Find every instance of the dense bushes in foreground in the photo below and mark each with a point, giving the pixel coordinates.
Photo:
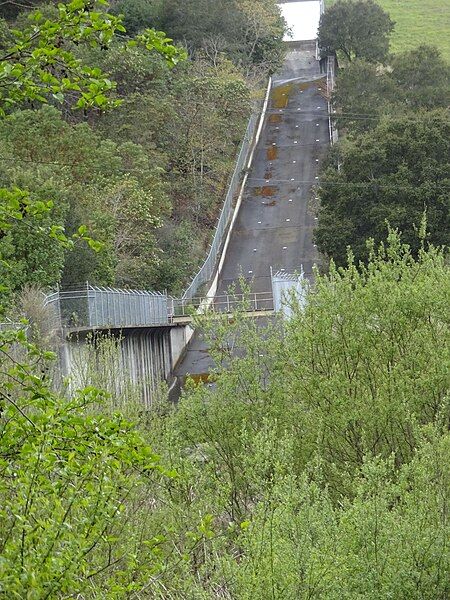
(322, 454)
(315, 467)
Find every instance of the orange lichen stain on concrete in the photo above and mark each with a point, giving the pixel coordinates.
(272, 153)
(322, 87)
(274, 119)
(200, 378)
(266, 191)
(280, 95)
(305, 86)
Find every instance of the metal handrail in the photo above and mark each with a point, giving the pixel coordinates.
(243, 161)
(100, 307)
(206, 271)
(223, 303)
(331, 78)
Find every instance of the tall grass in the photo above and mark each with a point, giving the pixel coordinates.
(418, 22)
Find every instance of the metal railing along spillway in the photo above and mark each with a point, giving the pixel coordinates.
(222, 303)
(207, 269)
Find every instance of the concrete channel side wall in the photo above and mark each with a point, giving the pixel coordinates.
(213, 289)
(137, 360)
(179, 339)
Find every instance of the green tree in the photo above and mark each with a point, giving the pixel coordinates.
(355, 29)
(80, 184)
(11, 9)
(196, 20)
(137, 14)
(386, 542)
(66, 481)
(361, 96)
(423, 77)
(414, 80)
(39, 67)
(6, 37)
(191, 125)
(392, 173)
(67, 475)
(42, 65)
(250, 33)
(262, 30)
(320, 446)
(125, 217)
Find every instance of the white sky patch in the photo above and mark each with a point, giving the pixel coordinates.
(302, 18)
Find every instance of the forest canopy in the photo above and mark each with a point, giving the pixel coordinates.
(391, 164)
(145, 131)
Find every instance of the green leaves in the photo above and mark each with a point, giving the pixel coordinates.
(42, 66)
(42, 63)
(355, 29)
(82, 234)
(65, 473)
(389, 174)
(17, 208)
(321, 451)
(158, 41)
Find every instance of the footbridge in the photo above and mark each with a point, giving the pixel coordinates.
(263, 245)
(94, 309)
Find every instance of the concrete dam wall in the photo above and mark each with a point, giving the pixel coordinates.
(137, 359)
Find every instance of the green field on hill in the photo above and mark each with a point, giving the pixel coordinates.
(419, 22)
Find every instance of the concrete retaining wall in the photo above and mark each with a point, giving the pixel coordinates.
(140, 359)
(179, 339)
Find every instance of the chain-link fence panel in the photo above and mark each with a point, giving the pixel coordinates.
(105, 307)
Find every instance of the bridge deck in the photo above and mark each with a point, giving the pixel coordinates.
(251, 314)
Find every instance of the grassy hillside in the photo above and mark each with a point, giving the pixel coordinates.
(418, 22)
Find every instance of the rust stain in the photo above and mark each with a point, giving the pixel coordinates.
(273, 119)
(322, 88)
(272, 153)
(265, 190)
(308, 84)
(200, 378)
(280, 95)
